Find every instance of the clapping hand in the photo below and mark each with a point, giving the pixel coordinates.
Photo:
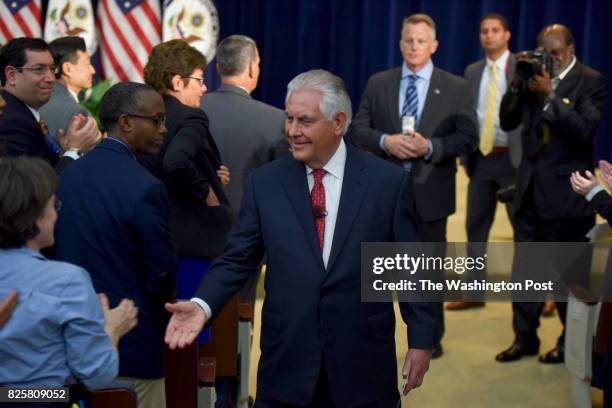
(224, 175)
(120, 319)
(583, 185)
(606, 174)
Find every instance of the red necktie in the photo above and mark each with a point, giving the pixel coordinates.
(317, 202)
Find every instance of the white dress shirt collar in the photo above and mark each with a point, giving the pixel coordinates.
(424, 72)
(335, 165)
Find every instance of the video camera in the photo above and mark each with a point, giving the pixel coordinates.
(528, 67)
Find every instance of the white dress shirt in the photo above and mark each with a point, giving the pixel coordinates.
(500, 137)
(332, 183)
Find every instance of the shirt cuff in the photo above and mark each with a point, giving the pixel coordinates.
(593, 191)
(381, 143)
(203, 305)
(429, 150)
(73, 154)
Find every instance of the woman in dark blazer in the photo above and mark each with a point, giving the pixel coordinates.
(188, 162)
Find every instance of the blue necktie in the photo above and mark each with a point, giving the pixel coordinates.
(411, 101)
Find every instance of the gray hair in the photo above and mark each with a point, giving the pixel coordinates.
(334, 97)
(234, 53)
(421, 18)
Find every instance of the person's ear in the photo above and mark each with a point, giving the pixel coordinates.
(339, 123)
(125, 123)
(177, 83)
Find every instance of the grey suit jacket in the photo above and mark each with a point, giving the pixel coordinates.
(58, 112)
(448, 120)
(473, 75)
(245, 131)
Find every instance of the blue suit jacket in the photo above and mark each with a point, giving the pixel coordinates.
(311, 312)
(114, 223)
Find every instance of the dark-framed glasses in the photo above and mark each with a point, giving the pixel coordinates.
(39, 70)
(200, 80)
(159, 120)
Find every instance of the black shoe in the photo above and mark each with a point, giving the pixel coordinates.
(517, 350)
(554, 356)
(437, 352)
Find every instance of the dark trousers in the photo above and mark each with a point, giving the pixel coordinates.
(322, 397)
(488, 175)
(434, 231)
(530, 226)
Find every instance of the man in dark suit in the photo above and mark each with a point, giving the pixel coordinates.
(320, 346)
(74, 74)
(245, 143)
(559, 114)
(439, 105)
(27, 73)
(114, 223)
(492, 166)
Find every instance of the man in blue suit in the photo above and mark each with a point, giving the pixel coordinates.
(310, 212)
(114, 223)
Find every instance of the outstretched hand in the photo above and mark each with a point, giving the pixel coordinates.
(186, 322)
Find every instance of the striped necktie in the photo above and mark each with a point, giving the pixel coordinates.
(411, 101)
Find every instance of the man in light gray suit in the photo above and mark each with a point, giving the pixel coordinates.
(492, 167)
(75, 73)
(438, 106)
(248, 134)
(245, 130)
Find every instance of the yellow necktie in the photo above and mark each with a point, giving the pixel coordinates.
(488, 123)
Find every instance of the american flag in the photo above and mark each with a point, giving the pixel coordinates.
(19, 18)
(129, 29)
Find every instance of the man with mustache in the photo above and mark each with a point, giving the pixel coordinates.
(559, 114)
(27, 73)
(114, 223)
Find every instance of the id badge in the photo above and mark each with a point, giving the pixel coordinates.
(408, 124)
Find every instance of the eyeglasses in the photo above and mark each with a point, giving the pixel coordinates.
(200, 80)
(40, 70)
(159, 120)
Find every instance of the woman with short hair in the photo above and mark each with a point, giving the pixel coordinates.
(59, 333)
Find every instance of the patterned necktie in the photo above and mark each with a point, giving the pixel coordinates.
(490, 114)
(411, 101)
(317, 203)
(43, 128)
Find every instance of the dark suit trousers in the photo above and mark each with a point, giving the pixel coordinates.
(435, 231)
(322, 397)
(488, 175)
(531, 227)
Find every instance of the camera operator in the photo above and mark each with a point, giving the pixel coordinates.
(559, 101)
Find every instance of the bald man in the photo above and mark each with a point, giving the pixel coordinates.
(560, 112)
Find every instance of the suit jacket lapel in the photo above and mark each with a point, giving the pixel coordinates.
(392, 90)
(569, 82)
(354, 188)
(296, 186)
(434, 93)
